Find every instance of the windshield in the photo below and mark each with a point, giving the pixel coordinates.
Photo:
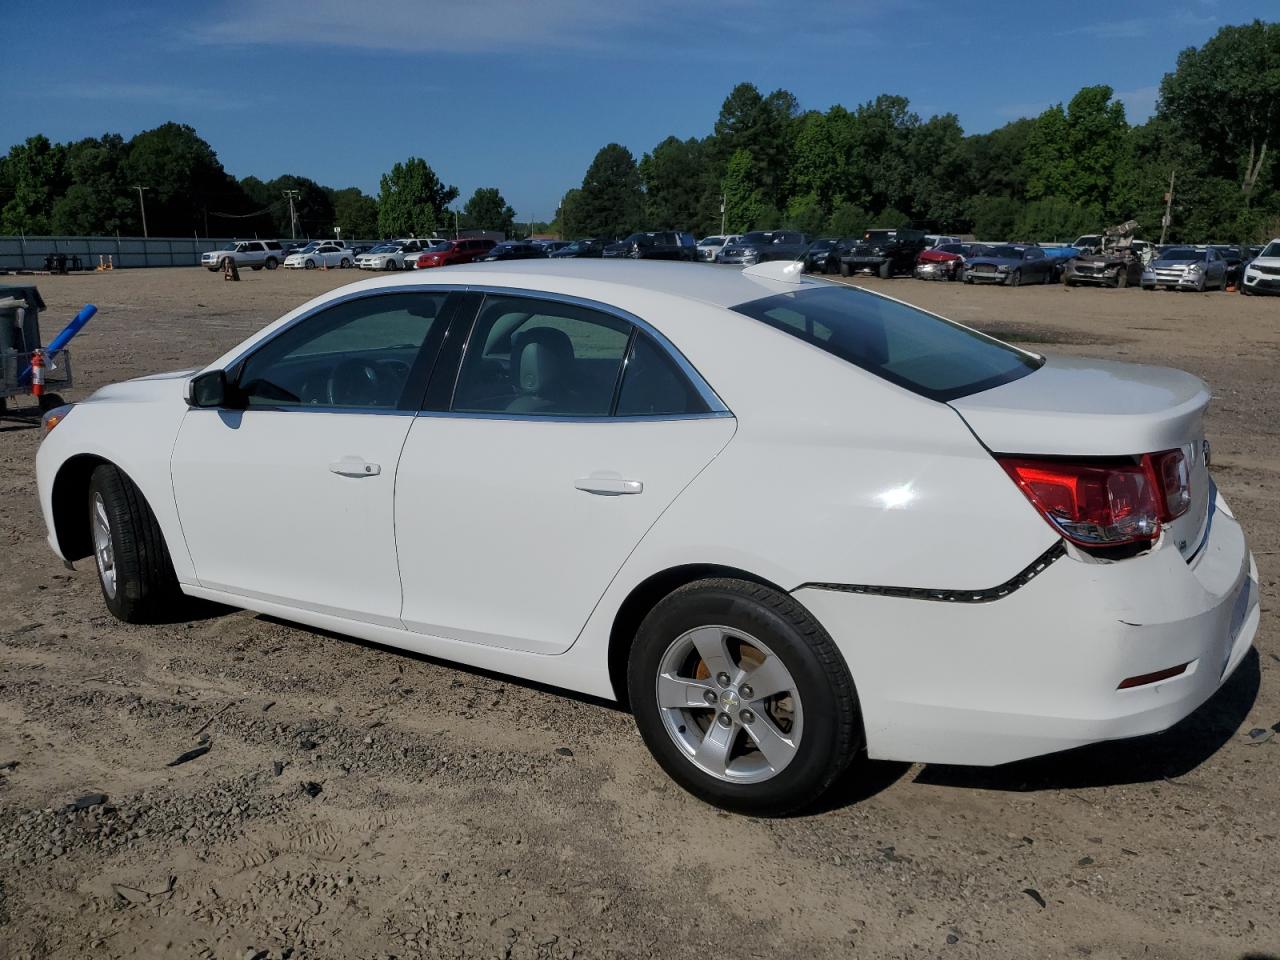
(1272, 249)
(385, 248)
(757, 237)
(823, 244)
(229, 246)
(310, 247)
(959, 248)
(1003, 253)
(925, 354)
(880, 236)
(711, 242)
(1182, 253)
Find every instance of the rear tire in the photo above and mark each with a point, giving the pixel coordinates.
(712, 631)
(134, 569)
(272, 263)
(346, 262)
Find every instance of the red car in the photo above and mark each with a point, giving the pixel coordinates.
(454, 251)
(944, 262)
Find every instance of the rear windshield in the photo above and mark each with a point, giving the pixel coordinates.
(925, 354)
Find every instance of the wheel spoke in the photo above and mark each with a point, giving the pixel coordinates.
(713, 754)
(100, 509)
(775, 746)
(683, 693)
(769, 679)
(710, 644)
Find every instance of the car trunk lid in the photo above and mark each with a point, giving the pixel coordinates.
(1077, 408)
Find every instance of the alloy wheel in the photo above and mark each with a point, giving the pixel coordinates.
(103, 551)
(729, 704)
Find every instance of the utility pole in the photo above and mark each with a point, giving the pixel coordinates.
(291, 196)
(455, 224)
(143, 206)
(722, 214)
(1168, 210)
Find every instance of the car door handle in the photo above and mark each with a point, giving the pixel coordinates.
(354, 467)
(608, 486)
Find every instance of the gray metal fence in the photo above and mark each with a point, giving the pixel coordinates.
(29, 253)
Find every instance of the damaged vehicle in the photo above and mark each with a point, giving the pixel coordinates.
(1186, 268)
(1117, 267)
(945, 261)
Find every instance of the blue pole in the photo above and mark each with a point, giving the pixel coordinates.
(64, 337)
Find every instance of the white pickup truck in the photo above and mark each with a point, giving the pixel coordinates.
(320, 253)
(254, 254)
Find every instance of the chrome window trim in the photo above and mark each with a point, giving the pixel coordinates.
(715, 406)
(535, 418)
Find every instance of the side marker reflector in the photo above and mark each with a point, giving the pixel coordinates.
(1145, 678)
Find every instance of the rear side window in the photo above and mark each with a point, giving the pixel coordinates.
(908, 347)
(653, 385)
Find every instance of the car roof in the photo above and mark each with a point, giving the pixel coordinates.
(719, 286)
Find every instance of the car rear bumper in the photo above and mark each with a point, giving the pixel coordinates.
(1039, 670)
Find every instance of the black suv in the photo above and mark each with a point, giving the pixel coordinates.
(661, 245)
(885, 252)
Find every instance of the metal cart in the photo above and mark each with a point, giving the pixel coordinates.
(20, 308)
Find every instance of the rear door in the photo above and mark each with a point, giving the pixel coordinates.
(568, 431)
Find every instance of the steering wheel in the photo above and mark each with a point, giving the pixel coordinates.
(354, 383)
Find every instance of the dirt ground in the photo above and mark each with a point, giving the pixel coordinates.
(360, 802)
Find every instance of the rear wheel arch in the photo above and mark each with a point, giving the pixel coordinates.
(646, 595)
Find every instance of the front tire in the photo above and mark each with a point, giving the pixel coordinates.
(310, 265)
(134, 569)
(1015, 278)
(845, 271)
(886, 270)
(784, 723)
(1122, 279)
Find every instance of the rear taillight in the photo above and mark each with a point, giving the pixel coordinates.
(1101, 504)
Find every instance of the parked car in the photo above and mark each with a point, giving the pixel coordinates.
(396, 254)
(654, 245)
(515, 250)
(709, 247)
(1010, 264)
(1234, 257)
(760, 246)
(932, 240)
(592, 249)
(962, 552)
(452, 251)
(1262, 273)
(1186, 268)
(819, 258)
(254, 254)
(945, 262)
(320, 253)
(1115, 267)
(883, 252)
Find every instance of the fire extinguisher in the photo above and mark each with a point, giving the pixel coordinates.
(37, 373)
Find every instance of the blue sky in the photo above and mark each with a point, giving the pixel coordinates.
(520, 94)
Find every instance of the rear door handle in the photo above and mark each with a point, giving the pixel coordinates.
(608, 485)
(354, 467)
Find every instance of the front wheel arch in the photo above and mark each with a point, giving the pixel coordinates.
(646, 595)
(70, 493)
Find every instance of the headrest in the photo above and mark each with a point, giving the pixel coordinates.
(543, 355)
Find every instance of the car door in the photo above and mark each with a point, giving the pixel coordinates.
(520, 494)
(286, 495)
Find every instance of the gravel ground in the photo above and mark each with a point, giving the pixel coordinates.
(357, 802)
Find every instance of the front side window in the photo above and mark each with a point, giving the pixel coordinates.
(908, 347)
(354, 354)
(541, 358)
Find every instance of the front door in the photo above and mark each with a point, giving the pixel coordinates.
(288, 497)
(569, 433)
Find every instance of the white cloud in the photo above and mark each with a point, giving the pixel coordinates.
(458, 26)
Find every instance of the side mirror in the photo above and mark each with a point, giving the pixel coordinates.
(209, 389)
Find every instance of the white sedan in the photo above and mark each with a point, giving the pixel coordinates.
(784, 520)
(319, 253)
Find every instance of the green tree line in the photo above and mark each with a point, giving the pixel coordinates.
(1076, 168)
(90, 187)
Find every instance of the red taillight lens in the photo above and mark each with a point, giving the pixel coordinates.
(1174, 475)
(1106, 504)
(1091, 505)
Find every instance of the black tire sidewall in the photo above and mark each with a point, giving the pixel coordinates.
(831, 729)
(146, 587)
